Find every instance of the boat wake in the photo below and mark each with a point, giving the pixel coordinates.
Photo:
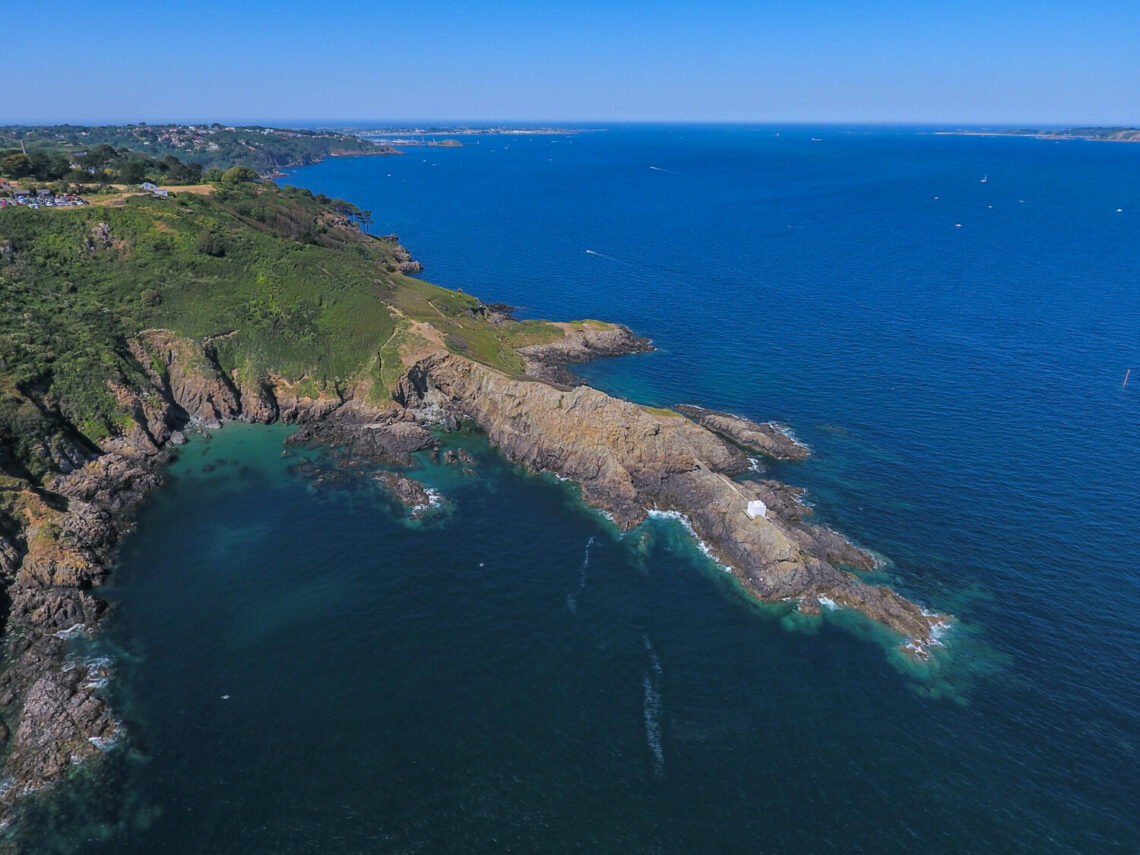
(651, 707)
(608, 257)
(572, 597)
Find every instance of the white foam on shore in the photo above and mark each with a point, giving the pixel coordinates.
(435, 500)
(939, 628)
(104, 743)
(790, 434)
(71, 632)
(684, 520)
(827, 601)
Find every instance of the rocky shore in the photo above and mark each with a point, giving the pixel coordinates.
(55, 545)
(765, 438)
(582, 342)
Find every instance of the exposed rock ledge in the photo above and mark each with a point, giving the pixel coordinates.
(765, 438)
(583, 342)
(630, 460)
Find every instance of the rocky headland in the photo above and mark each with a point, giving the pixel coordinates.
(67, 493)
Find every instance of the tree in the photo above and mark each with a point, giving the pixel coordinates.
(15, 165)
(133, 171)
(239, 175)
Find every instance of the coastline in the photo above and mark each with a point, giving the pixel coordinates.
(630, 462)
(1042, 135)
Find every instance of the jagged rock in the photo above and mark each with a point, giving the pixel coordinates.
(189, 375)
(55, 609)
(629, 460)
(113, 481)
(762, 437)
(411, 493)
(59, 721)
(390, 443)
(582, 342)
(99, 238)
(405, 263)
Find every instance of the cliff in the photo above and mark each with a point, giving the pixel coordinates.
(263, 304)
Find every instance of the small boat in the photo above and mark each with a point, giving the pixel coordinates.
(985, 179)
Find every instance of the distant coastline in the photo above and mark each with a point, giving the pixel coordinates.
(1090, 134)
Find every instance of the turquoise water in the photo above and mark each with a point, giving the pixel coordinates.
(511, 675)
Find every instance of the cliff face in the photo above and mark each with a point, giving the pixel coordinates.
(630, 460)
(56, 545)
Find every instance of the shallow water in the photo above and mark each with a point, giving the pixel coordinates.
(512, 674)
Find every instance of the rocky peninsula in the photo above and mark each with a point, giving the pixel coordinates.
(311, 322)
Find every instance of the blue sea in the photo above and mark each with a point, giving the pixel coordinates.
(945, 320)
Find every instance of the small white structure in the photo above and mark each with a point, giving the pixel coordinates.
(147, 185)
(756, 508)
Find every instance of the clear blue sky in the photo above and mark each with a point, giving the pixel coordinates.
(928, 61)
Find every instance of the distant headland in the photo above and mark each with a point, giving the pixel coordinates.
(236, 299)
(1092, 134)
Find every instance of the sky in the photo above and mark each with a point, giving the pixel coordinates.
(967, 62)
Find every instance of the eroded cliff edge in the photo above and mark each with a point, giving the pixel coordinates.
(308, 320)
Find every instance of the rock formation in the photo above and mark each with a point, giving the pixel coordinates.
(630, 460)
(764, 438)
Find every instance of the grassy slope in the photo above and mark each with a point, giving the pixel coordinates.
(289, 287)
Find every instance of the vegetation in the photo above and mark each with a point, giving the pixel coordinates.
(1113, 134)
(125, 153)
(284, 283)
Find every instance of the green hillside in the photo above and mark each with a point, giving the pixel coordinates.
(284, 283)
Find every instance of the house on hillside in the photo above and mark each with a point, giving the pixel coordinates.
(148, 186)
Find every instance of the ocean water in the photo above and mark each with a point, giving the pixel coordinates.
(303, 669)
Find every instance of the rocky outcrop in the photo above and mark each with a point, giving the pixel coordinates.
(56, 543)
(401, 258)
(382, 443)
(52, 715)
(409, 491)
(630, 460)
(581, 342)
(765, 438)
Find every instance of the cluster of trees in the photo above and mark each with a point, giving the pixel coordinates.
(264, 149)
(103, 164)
